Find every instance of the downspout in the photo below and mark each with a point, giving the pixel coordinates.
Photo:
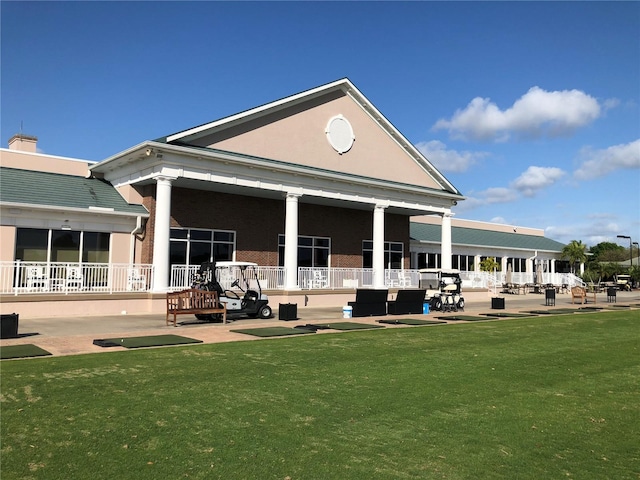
(136, 231)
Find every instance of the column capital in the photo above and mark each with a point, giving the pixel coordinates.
(448, 214)
(165, 179)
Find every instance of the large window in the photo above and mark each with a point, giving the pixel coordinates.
(393, 254)
(429, 260)
(43, 245)
(312, 251)
(517, 264)
(463, 263)
(191, 246)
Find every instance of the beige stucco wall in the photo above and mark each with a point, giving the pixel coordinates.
(120, 247)
(43, 163)
(7, 243)
(297, 135)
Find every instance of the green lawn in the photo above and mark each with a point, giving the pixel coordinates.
(537, 398)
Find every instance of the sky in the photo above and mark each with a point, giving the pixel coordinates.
(531, 109)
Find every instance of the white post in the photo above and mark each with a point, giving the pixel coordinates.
(161, 232)
(378, 246)
(291, 242)
(446, 240)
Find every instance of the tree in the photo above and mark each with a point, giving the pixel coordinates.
(608, 252)
(575, 252)
(489, 264)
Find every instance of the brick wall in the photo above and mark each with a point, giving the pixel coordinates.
(258, 222)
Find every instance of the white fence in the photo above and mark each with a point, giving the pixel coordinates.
(41, 277)
(64, 278)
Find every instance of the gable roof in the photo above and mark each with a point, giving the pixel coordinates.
(344, 85)
(428, 233)
(28, 187)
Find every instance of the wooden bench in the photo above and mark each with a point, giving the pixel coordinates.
(195, 302)
(581, 294)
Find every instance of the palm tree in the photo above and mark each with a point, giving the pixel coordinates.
(575, 251)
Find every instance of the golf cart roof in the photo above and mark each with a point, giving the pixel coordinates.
(235, 264)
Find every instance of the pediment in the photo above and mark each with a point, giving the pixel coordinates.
(333, 128)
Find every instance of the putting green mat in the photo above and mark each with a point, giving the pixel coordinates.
(273, 331)
(508, 315)
(148, 341)
(22, 351)
(467, 318)
(346, 326)
(412, 321)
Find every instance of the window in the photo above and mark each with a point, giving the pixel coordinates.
(463, 263)
(393, 254)
(312, 251)
(190, 246)
(517, 264)
(68, 246)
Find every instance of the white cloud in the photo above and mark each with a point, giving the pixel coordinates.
(598, 163)
(535, 179)
(448, 160)
(538, 112)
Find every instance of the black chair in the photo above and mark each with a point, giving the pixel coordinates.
(550, 297)
(407, 302)
(369, 303)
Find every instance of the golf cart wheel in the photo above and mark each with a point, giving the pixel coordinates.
(460, 304)
(265, 312)
(437, 305)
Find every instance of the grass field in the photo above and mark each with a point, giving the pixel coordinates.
(537, 398)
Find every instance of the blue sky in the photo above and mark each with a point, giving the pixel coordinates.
(531, 109)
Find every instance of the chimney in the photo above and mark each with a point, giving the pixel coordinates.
(24, 143)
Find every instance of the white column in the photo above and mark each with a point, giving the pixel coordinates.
(291, 242)
(445, 249)
(553, 265)
(161, 231)
(378, 246)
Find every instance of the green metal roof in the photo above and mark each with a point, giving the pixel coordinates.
(424, 232)
(57, 190)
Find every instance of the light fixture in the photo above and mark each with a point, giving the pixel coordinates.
(630, 249)
(66, 226)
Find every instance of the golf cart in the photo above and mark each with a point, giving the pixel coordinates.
(623, 282)
(443, 289)
(250, 302)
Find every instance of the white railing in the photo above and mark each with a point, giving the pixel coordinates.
(66, 277)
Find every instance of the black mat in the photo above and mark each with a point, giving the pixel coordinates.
(347, 326)
(467, 318)
(411, 321)
(22, 351)
(274, 331)
(148, 341)
(508, 315)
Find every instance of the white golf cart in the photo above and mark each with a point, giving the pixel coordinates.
(444, 289)
(238, 286)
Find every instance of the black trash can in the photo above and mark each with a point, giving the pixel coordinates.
(9, 325)
(550, 297)
(288, 311)
(497, 303)
(611, 295)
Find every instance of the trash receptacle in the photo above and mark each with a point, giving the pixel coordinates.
(288, 311)
(425, 308)
(9, 325)
(497, 303)
(347, 311)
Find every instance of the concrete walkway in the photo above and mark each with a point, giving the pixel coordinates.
(75, 335)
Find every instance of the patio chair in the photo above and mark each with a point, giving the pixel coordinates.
(37, 279)
(74, 279)
(319, 280)
(136, 280)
